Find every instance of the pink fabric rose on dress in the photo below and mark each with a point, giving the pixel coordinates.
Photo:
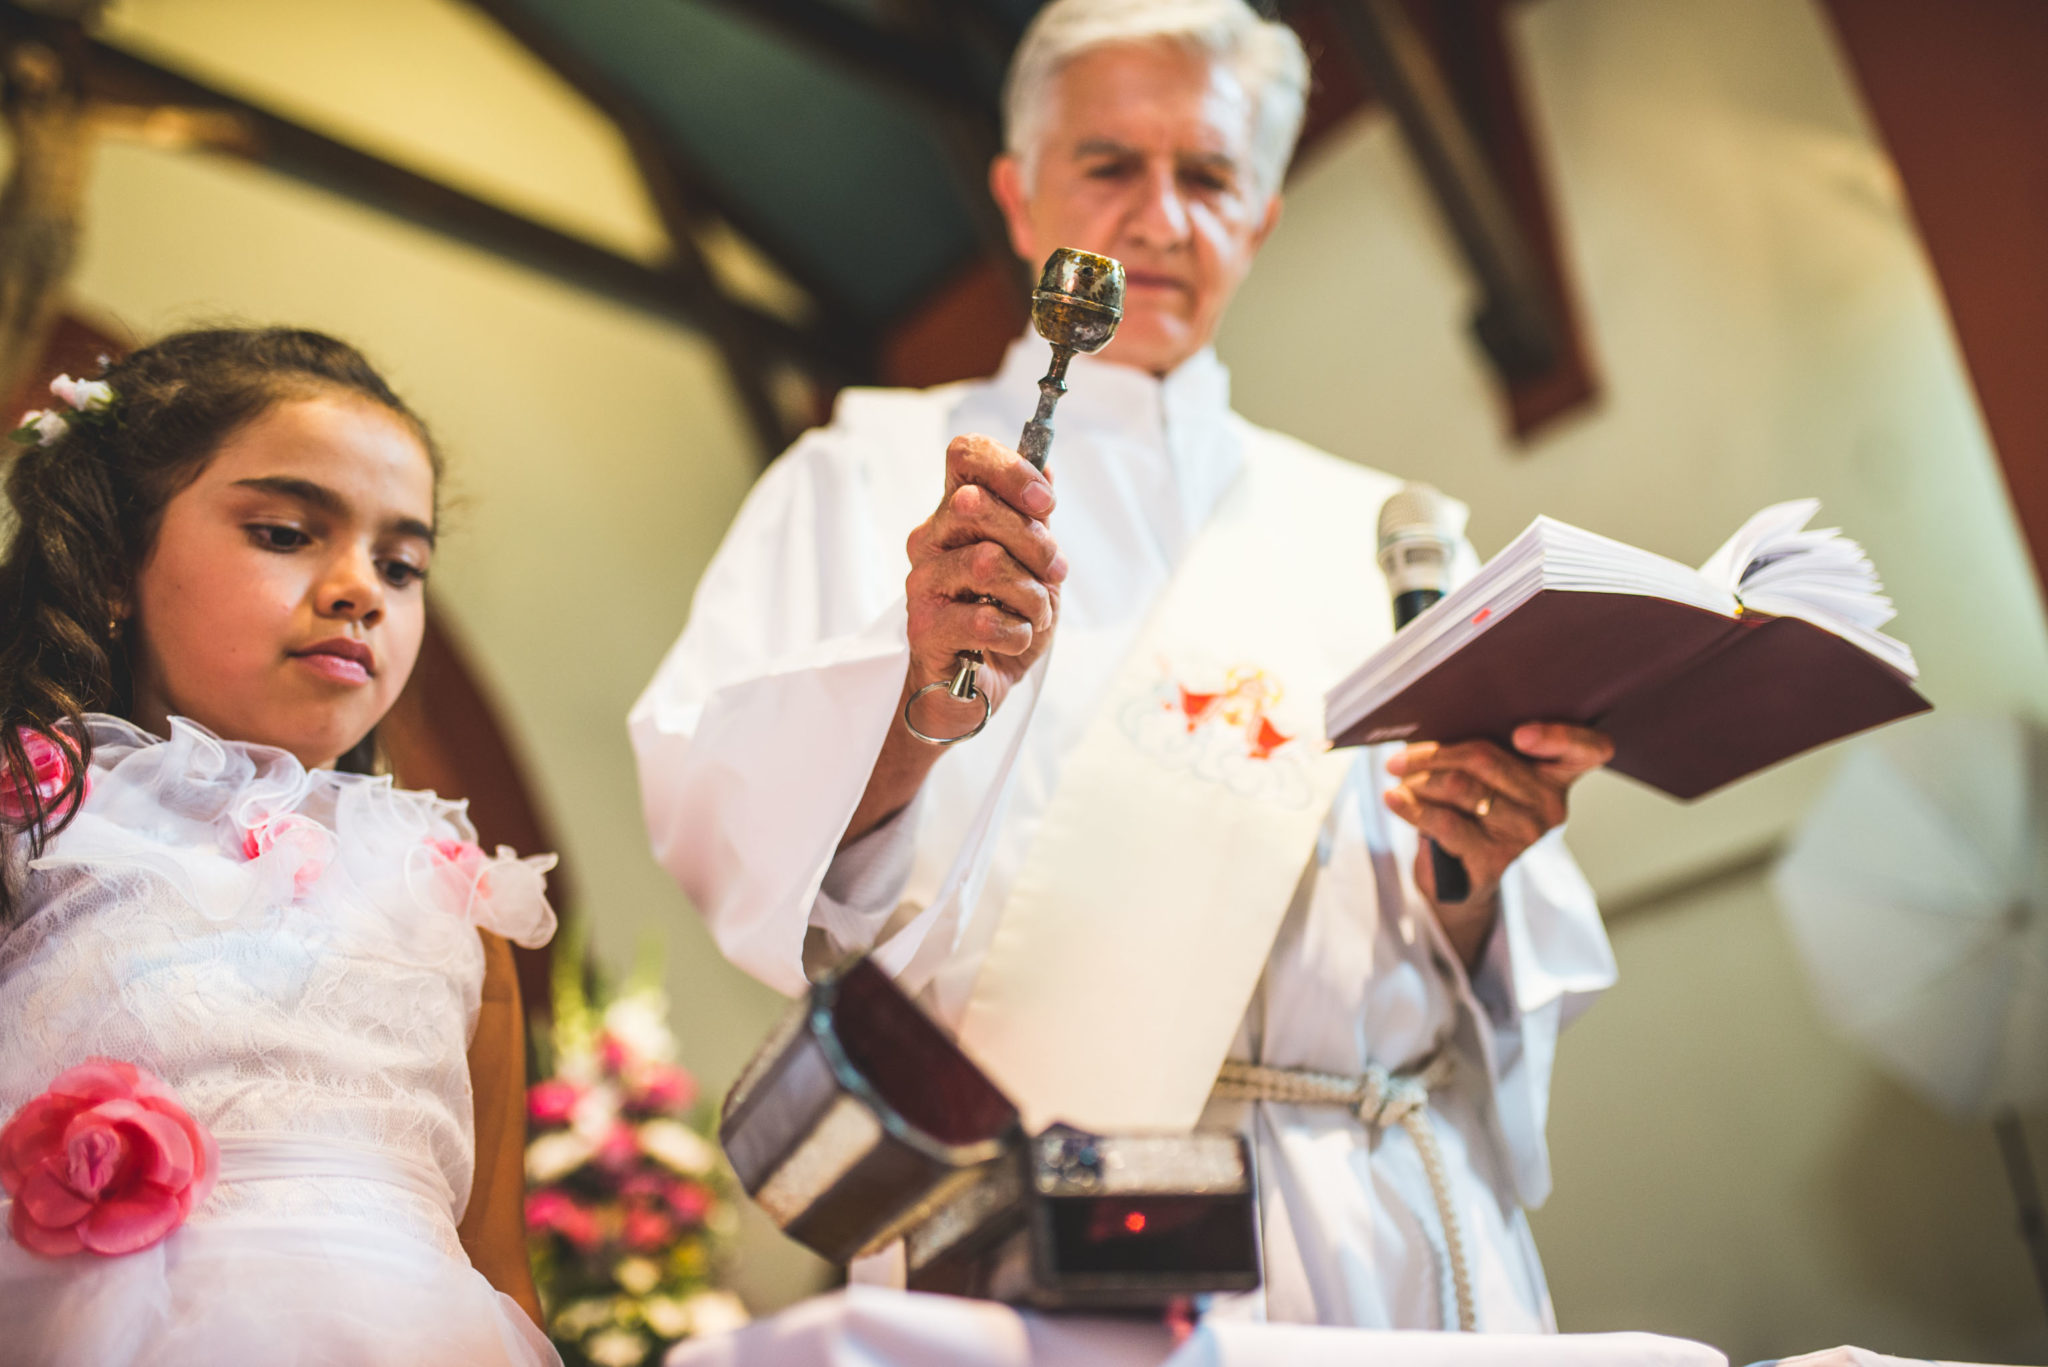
(106, 1161)
(50, 769)
(466, 855)
(465, 862)
(500, 892)
(307, 843)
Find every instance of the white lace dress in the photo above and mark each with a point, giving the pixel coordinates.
(295, 954)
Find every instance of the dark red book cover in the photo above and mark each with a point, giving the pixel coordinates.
(1692, 699)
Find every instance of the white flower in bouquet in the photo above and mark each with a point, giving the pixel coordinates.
(552, 1157)
(637, 1275)
(666, 1316)
(617, 1348)
(578, 1318)
(639, 1021)
(677, 1146)
(579, 1067)
(715, 1312)
(595, 1113)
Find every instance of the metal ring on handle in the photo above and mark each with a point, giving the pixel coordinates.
(973, 691)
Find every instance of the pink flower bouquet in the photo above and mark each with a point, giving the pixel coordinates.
(630, 1209)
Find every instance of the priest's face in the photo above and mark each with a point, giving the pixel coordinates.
(1145, 155)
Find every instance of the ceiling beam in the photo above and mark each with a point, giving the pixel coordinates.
(1475, 50)
(241, 129)
(1954, 92)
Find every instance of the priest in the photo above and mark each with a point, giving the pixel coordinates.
(1144, 894)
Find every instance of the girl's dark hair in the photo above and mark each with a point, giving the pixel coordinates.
(86, 510)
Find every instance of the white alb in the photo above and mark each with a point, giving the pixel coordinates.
(757, 735)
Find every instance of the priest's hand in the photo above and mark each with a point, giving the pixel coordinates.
(1486, 806)
(985, 575)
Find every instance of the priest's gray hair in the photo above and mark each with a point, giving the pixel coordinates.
(1263, 54)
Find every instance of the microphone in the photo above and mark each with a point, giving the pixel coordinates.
(1416, 543)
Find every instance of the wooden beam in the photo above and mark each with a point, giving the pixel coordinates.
(41, 205)
(279, 144)
(1472, 45)
(1955, 92)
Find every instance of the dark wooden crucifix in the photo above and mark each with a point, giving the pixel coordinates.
(1445, 70)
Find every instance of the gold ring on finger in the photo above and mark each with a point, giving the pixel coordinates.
(1485, 806)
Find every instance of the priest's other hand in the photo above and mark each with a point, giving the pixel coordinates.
(1486, 806)
(985, 575)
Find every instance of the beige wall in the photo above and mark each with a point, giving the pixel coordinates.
(1728, 1170)
(433, 85)
(1767, 328)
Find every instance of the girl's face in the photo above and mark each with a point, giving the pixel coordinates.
(284, 599)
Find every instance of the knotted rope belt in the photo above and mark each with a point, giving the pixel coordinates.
(1380, 1099)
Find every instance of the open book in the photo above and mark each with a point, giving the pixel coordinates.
(1700, 676)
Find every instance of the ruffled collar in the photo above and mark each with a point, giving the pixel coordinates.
(204, 777)
(182, 804)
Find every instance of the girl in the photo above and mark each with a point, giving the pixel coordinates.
(238, 974)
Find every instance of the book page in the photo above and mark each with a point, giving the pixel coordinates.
(1776, 565)
(1548, 556)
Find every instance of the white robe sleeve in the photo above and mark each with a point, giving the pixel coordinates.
(1547, 960)
(865, 882)
(756, 737)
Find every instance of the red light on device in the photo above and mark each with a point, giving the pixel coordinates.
(1135, 1222)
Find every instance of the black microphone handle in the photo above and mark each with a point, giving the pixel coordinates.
(1453, 883)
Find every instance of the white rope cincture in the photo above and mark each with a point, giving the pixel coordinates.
(1379, 1099)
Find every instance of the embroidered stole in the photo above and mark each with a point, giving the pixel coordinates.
(1139, 924)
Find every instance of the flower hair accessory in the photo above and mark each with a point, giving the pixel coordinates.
(90, 401)
(106, 1161)
(51, 767)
